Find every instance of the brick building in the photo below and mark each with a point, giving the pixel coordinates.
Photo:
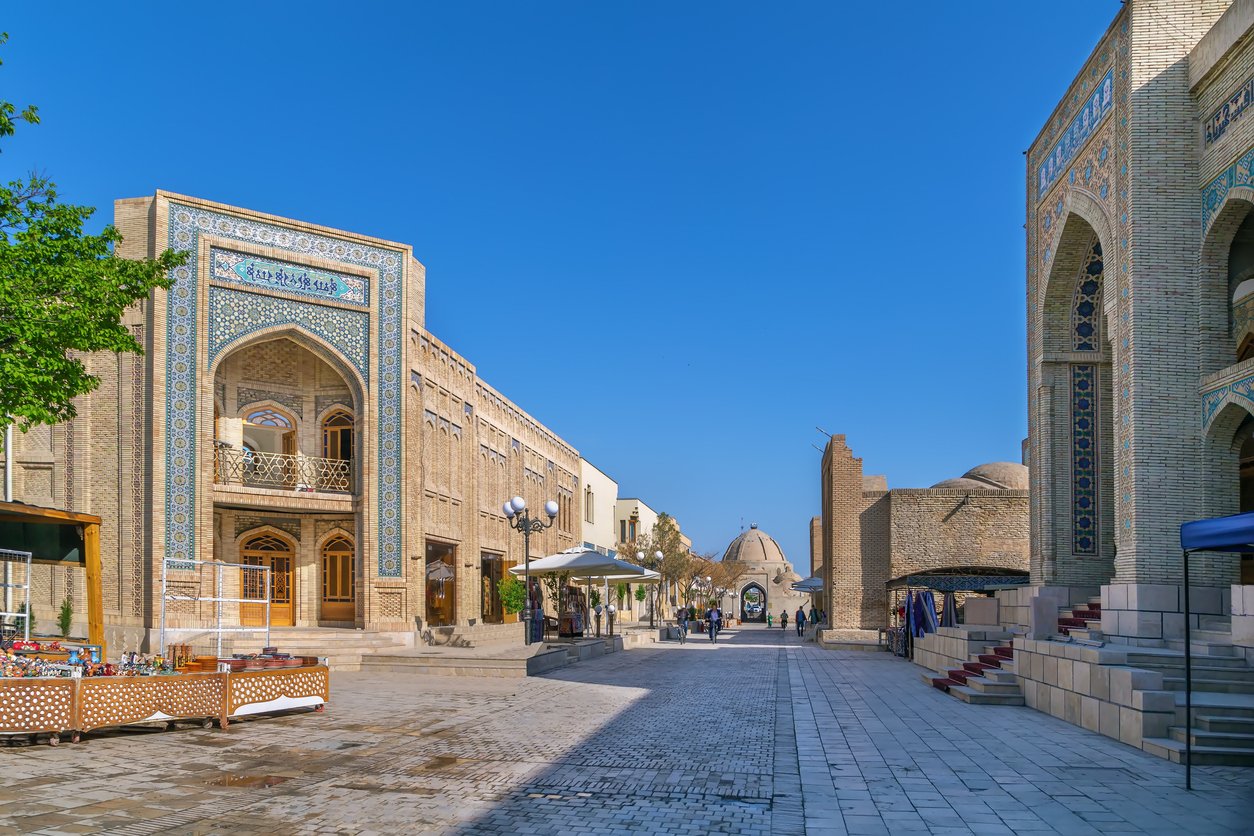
(872, 537)
(1140, 251)
(293, 412)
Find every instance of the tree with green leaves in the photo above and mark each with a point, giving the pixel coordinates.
(62, 292)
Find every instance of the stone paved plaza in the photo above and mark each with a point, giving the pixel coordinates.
(759, 734)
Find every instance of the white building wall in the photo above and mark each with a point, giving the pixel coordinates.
(600, 498)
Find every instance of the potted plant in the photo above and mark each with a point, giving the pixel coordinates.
(65, 618)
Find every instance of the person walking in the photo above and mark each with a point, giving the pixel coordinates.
(682, 618)
(770, 620)
(714, 618)
(801, 622)
(783, 620)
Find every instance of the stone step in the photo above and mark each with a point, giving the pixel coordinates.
(1213, 686)
(1220, 740)
(1215, 705)
(1204, 647)
(1175, 658)
(991, 659)
(1201, 671)
(1173, 750)
(1219, 623)
(974, 697)
(987, 686)
(1234, 725)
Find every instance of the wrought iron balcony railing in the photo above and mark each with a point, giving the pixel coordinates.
(234, 466)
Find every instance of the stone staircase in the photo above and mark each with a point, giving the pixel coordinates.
(987, 679)
(1222, 731)
(1081, 621)
(342, 647)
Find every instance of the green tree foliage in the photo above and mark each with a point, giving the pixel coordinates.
(61, 291)
(513, 594)
(640, 592)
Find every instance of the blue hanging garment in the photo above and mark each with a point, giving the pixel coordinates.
(919, 618)
(930, 622)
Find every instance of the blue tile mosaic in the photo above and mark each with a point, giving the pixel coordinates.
(1084, 458)
(1085, 122)
(1240, 173)
(1086, 320)
(1240, 390)
(234, 314)
(186, 225)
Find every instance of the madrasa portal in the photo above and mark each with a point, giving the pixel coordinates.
(291, 411)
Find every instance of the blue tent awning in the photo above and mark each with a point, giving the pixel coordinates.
(1221, 534)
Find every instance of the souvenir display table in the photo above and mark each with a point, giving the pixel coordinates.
(38, 697)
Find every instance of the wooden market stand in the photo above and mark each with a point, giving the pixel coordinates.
(59, 705)
(88, 557)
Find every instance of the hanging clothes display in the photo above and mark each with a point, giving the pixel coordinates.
(949, 617)
(930, 622)
(918, 617)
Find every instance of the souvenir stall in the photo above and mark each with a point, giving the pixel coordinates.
(51, 687)
(913, 610)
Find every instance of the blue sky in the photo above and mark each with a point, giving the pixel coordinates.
(683, 235)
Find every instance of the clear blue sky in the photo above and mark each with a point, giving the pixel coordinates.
(683, 235)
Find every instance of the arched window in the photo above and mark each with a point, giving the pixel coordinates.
(337, 436)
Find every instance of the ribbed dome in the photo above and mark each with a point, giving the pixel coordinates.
(755, 546)
(1010, 476)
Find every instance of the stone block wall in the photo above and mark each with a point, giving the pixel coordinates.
(1148, 614)
(950, 647)
(1093, 688)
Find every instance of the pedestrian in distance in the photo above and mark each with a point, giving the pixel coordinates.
(783, 620)
(770, 620)
(682, 618)
(801, 621)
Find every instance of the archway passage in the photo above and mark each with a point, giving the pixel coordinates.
(753, 604)
(276, 554)
(339, 580)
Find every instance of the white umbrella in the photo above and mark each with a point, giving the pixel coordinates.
(581, 564)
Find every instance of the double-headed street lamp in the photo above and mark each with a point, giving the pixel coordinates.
(653, 597)
(519, 520)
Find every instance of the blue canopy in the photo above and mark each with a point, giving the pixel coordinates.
(1221, 534)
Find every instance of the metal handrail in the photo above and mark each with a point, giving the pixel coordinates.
(235, 466)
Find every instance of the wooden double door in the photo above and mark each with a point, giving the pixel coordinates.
(337, 571)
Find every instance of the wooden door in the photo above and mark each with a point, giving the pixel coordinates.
(275, 553)
(339, 580)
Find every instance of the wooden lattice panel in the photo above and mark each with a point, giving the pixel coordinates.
(116, 701)
(249, 687)
(36, 705)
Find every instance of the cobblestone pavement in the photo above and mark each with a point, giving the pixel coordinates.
(758, 734)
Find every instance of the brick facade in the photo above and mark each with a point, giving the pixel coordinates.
(435, 451)
(872, 535)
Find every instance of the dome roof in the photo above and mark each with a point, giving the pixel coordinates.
(993, 476)
(963, 483)
(754, 546)
(1010, 476)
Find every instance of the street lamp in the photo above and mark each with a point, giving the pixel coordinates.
(519, 520)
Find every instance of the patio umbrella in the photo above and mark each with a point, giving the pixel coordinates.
(581, 564)
(949, 618)
(811, 584)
